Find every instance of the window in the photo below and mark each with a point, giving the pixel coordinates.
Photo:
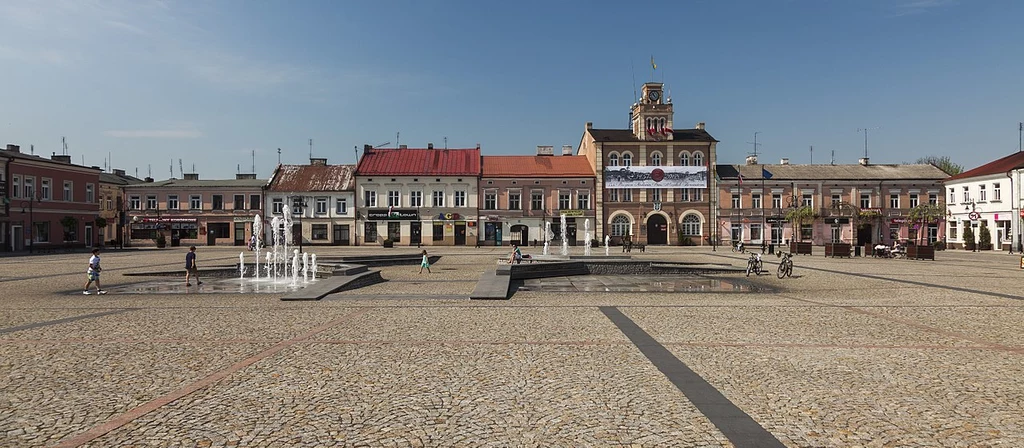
(952, 196)
(16, 188)
(613, 160)
(278, 206)
(68, 189)
(321, 208)
(620, 225)
(967, 194)
(110, 202)
(656, 194)
(865, 200)
(370, 231)
(438, 234)
(135, 202)
(172, 202)
(696, 194)
(982, 194)
(807, 200)
(515, 200)
(953, 230)
(684, 195)
(90, 193)
(691, 225)
(490, 200)
(755, 201)
(438, 198)
(195, 202)
(537, 201)
(254, 202)
(239, 202)
(583, 200)
(613, 195)
(416, 198)
(30, 188)
(933, 198)
(319, 231)
(626, 195)
(564, 202)
(218, 202)
(914, 201)
(460, 198)
(341, 206)
(394, 198)
(736, 202)
(776, 200)
(627, 159)
(684, 159)
(996, 194)
(807, 232)
(42, 232)
(894, 200)
(370, 200)
(297, 204)
(836, 198)
(656, 159)
(45, 187)
(151, 202)
(698, 159)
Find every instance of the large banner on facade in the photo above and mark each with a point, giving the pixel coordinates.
(655, 177)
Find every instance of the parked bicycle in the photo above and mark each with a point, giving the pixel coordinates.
(738, 247)
(754, 264)
(786, 265)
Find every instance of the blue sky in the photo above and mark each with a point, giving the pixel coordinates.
(149, 81)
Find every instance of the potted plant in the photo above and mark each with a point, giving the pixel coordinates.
(388, 242)
(968, 238)
(984, 237)
(921, 216)
(160, 240)
(797, 217)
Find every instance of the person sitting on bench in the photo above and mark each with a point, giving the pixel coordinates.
(516, 256)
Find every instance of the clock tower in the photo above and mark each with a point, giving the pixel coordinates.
(651, 115)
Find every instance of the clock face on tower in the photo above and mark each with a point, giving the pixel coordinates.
(653, 95)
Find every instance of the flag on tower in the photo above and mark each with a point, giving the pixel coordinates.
(653, 65)
(740, 176)
(765, 174)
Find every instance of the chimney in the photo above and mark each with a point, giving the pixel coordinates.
(700, 125)
(478, 146)
(545, 150)
(430, 146)
(118, 172)
(60, 158)
(566, 150)
(13, 148)
(751, 160)
(149, 179)
(863, 161)
(317, 161)
(590, 125)
(191, 176)
(403, 146)
(784, 161)
(241, 176)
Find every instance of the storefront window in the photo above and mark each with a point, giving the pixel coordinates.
(319, 231)
(370, 232)
(438, 232)
(806, 232)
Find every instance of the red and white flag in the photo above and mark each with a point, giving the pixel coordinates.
(741, 178)
(666, 131)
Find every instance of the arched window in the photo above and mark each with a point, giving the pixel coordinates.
(648, 124)
(691, 225)
(662, 127)
(620, 225)
(698, 159)
(627, 159)
(613, 159)
(684, 159)
(656, 159)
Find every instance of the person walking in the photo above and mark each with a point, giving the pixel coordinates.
(425, 263)
(94, 273)
(191, 270)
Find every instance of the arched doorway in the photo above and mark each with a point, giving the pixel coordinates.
(519, 234)
(657, 229)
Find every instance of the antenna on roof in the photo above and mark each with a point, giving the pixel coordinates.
(397, 139)
(254, 160)
(83, 159)
(278, 156)
(356, 149)
(64, 143)
(310, 148)
(181, 171)
(833, 157)
(193, 167)
(172, 167)
(32, 148)
(812, 155)
(446, 143)
(149, 167)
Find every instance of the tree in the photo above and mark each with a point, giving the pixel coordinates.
(984, 237)
(798, 216)
(943, 163)
(922, 215)
(968, 238)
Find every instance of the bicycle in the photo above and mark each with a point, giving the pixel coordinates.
(754, 265)
(786, 265)
(738, 247)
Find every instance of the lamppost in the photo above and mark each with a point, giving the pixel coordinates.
(299, 204)
(31, 222)
(974, 209)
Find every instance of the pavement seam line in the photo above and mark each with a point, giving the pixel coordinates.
(64, 320)
(158, 402)
(735, 424)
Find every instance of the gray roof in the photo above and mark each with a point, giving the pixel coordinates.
(213, 183)
(110, 178)
(851, 172)
(625, 135)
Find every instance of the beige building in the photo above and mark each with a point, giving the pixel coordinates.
(112, 206)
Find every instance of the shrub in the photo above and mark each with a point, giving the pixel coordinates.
(968, 238)
(984, 237)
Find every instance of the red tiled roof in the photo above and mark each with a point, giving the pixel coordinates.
(410, 162)
(299, 178)
(537, 166)
(1000, 166)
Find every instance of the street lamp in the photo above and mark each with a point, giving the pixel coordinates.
(31, 222)
(299, 204)
(973, 208)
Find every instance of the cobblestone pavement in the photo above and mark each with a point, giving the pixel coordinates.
(848, 352)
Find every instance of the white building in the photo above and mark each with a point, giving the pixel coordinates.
(991, 195)
(321, 198)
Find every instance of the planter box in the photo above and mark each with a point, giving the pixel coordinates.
(388, 243)
(921, 252)
(800, 248)
(837, 250)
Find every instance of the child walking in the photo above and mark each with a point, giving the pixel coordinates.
(425, 263)
(94, 273)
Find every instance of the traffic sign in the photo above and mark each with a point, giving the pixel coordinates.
(974, 216)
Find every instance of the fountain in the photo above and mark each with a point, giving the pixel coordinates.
(547, 236)
(295, 267)
(241, 265)
(257, 233)
(313, 264)
(586, 236)
(607, 241)
(565, 239)
(305, 266)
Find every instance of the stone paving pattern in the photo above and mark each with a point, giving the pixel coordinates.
(849, 352)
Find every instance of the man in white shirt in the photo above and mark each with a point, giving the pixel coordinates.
(94, 273)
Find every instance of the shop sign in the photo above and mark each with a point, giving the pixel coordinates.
(837, 220)
(775, 219)
(898, 221)
(242, 219)
(571, 213)
(167, 220)
(493, 218)
(382, 214)
(448, 217)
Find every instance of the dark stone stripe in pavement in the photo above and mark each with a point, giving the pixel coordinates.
(62, 321)
(735, 424)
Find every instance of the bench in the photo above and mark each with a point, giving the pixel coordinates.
(628, 247)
